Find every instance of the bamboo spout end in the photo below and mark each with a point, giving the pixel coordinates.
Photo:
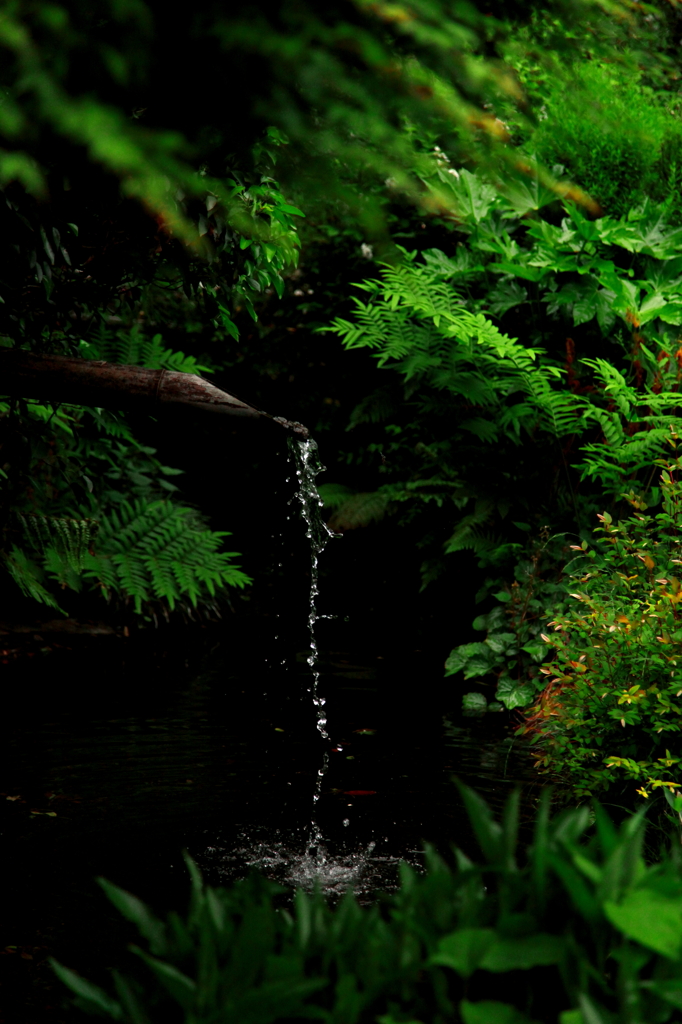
(293, 426)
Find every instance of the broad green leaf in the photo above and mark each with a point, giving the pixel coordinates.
(479, 665)
(499, 642)
(606, 317)
(671, 313)
(588, 229)
(538, 651)
(520, 954)
(650, 919)
(571, 1017)
(514, 695)
(463, 950)
(527, 194)
(505, 296)
(474, 196)
(474, 703)
(528, 273)
(585, 307)
(489, 1012)
(651, 307)
(462, 656)
(650, 235)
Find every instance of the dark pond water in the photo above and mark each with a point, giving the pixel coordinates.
(114, 760)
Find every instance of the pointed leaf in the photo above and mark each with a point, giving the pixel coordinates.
(138, 912)
(463, 950)
(182, 988)
(487, 831)
(651, 919)
(85, 990)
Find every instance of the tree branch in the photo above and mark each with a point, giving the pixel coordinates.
(110, 386)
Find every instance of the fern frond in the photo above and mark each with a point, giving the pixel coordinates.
(66, 538)
(468, 534)
(375, 408)
(333, 495)
(28, 577)
(134, 348)
(416, 322)
(162, 551)
(359, 510)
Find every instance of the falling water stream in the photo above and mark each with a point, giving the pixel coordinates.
(317, 865)
(310, 863)
(308, 465)
(304, 856)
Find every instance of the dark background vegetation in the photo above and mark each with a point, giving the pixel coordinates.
(222, 180)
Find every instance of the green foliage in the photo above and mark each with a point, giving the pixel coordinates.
(29, 577)
(581, 929)
(541, 420)
(609, 132)
(611, 705)
(160, 551)
(346, 85)
(510, 656)
(148, 553)
(68, 538)
(134, 348)
(495, 390)
(109, 525)
(160, 229)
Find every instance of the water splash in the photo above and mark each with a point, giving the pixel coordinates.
(280, 857)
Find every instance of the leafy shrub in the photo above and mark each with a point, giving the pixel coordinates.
(580, 931)
(612, 705)
(510, 656)
(486, 419)
(146, 552)
(538, 419)
(610, 136)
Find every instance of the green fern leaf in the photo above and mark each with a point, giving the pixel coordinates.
(134, 348)
(162, 551)
(359, 510)
(28, 577)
